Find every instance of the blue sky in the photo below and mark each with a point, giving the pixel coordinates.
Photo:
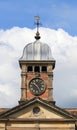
(54, 14)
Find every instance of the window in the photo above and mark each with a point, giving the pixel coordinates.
(29, 69)
(44, 69)
(37, 69)
(36, 110)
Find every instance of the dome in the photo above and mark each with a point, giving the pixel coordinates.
(36, 51)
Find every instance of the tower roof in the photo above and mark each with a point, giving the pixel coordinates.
(37, 51)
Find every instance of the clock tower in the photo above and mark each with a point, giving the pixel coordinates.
(36, 109)
(37, 66)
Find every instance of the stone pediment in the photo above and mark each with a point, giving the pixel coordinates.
(36, 108)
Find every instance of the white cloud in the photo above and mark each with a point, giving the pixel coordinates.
(64, 50)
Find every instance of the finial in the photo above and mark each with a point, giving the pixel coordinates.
(37, 23)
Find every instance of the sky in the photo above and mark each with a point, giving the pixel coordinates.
(58, 30)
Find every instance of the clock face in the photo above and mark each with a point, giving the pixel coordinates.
(37, 86)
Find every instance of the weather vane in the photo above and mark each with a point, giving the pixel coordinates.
(37, 23)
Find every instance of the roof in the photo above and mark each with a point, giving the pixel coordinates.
(72, 111)
(36, 51)
(2, 110)
(37, 100)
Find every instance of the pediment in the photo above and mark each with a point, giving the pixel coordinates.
(38, 111)
(36, 108)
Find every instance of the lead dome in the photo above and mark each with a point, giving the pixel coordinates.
(36, 51)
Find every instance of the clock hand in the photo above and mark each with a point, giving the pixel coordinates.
(37, 86)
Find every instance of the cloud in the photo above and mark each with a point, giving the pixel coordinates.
(64, 51)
